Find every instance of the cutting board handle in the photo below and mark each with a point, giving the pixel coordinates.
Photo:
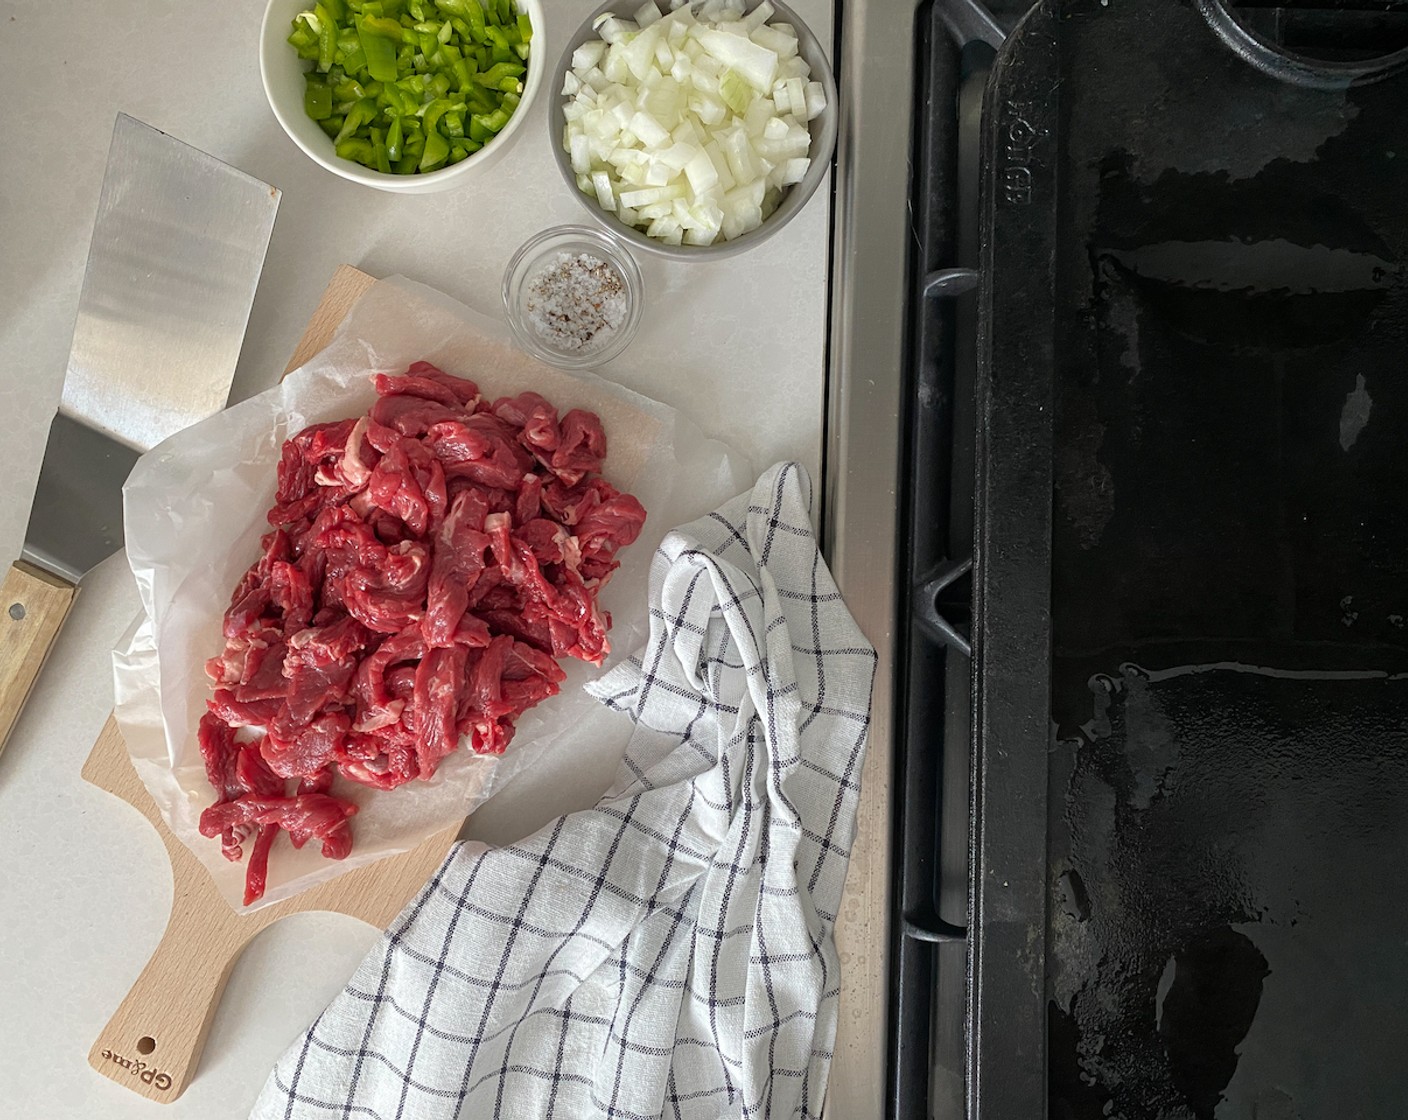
(153, 1042)
(33, 606)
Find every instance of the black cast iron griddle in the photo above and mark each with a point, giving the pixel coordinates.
(1191, 722)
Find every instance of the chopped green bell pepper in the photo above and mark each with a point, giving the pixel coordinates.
(362, 113)
(380, 51)
(317, 98)
(497, 73)
(474, 14)
(358, 150)
(327, 38)
(304, 37)
(480, 100)
(408, 86)
(379, 153)
(437, 149)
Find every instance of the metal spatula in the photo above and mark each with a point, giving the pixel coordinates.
(177, 249)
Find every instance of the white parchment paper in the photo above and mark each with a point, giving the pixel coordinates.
(194, 512)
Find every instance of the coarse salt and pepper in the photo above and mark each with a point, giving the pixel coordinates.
(576, 301)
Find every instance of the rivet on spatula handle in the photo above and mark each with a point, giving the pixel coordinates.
(33, 606)
(153, 1042)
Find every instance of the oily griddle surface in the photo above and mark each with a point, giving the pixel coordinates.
(1228, 913)
(1228, 921)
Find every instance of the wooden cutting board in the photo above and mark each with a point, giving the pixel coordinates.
(152, 1043)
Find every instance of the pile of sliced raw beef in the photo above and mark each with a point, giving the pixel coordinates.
(427, 566)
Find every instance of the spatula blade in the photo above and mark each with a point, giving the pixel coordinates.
(177, 249)
(176, 254)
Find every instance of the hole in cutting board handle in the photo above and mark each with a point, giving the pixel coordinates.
(146, 1044)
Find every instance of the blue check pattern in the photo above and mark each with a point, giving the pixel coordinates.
(668, 953)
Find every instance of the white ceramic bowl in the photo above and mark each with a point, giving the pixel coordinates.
(282, 71)
(823, 130)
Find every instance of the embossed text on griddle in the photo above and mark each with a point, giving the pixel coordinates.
(1017, 138)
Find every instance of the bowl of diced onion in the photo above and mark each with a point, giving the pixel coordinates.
(693, 128)
(479, 111)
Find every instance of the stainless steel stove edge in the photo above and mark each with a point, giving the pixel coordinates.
(861, 487)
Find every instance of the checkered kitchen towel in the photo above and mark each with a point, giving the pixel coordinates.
(668, 953)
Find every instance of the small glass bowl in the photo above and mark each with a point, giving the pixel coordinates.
(540, 251)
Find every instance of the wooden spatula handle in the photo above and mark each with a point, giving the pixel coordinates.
(153, 1042)
(33, 606)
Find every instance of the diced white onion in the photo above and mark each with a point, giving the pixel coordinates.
(639, 53)
(795, 67)
(796, 93)
(649, 130)
(758, 16)
(782, 44)
(690, 125)
(755, 120)
(710, 110)
(755, 64)
(615, 68)
(678, 154)
(581, 154)
(648, 195)
(614, 30)
(794, 170)
(605, 197)
(586, 56)
(701, 174)
(716, 157)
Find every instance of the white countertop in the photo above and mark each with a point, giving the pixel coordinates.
(737, 345)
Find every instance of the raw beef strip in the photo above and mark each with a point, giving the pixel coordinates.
(316, 816)
(460, 548)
